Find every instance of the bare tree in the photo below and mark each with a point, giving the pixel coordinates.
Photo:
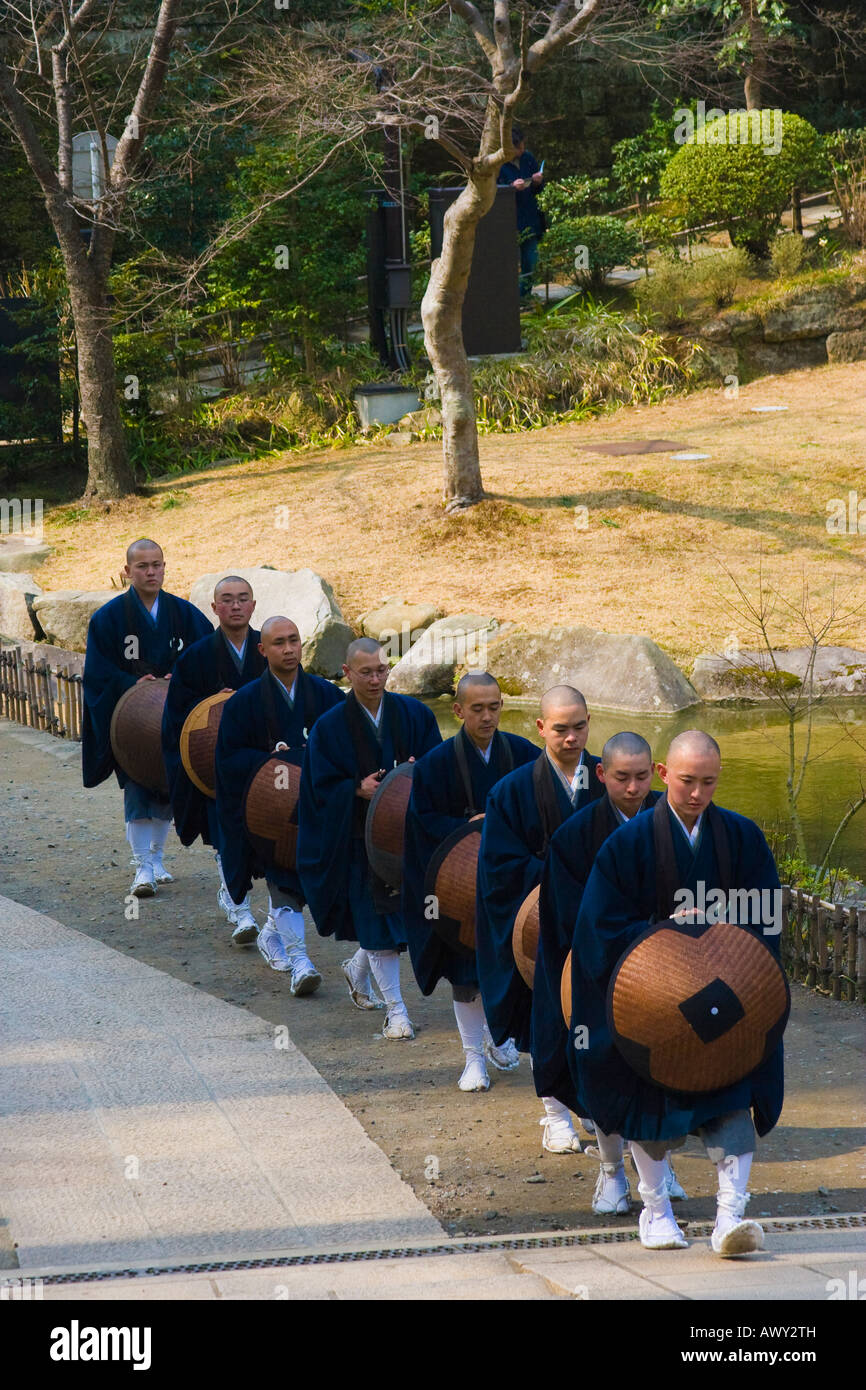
(64, 67)
(412, 70)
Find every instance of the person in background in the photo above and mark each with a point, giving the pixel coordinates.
(526, 178)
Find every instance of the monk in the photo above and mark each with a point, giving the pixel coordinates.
(524, 810)
(226, 659)
(450, 787)
(269, 718)
(350, 750)
(137, 636)
(681, 851)
(624, 776)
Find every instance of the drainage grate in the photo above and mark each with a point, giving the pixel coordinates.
(456, 1247)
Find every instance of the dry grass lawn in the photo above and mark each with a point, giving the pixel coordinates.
(651, 558)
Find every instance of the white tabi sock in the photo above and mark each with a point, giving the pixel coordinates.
(158, 835)
(555, 1110)
(610, 1147)
(139, 834)
(385, 967)
(289, 925)
(360, 964)
(733, 1174)
(470, 1022)
(651, 1171)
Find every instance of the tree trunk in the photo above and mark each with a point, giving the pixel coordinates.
(442, 316)
(109, 473)
(756, 75)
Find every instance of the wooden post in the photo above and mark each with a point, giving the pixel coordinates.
(851, 963)
(839, 915)
(812, 957)
(823, 918)
(787, 942)
(861, 954)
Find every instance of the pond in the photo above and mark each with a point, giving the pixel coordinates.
(754, 763)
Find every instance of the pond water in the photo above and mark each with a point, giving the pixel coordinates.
(754, 763)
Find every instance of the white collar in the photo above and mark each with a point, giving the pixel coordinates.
(620, 815)
(571, 783)
(377, 717)
(152, 611)
(483, 752)
(691, 835)
(242, 648)
(289, 692)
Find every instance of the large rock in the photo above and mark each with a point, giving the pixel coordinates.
(458, 642)
(63, 615)
(18, 554)
(614, 671)
(822, 313)
(17, 593)
(846, 347)
(398, 624)
(751, 676)
(301, 595)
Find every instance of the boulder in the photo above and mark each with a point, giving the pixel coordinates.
(615, 671)
(301, 595)
(458, 642)
(17, 593)
(398, 624)
(750, 676)
(846, 347)
(817, 316)
(63, 615)
(429, 417)
(717, 360)
(18, 554)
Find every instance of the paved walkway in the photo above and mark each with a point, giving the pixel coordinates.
(147, 1125)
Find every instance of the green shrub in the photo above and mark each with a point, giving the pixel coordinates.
(664, 294)
(718, 275)
(740, 184)
(573, 196)
(787, 254)
(585, 249)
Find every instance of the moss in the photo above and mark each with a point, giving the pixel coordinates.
(780, 681)
(509, 686)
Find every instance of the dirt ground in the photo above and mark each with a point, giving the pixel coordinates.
(646, 556)
(475, 1160)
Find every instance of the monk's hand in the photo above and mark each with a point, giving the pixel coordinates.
(368, 787)
(537, 177)
(227, 690)
(148, 677)
(479, 816)
(519, 184)
(281, 748)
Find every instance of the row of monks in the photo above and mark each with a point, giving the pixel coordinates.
(608, 854)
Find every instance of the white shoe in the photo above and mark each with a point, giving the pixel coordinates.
(504, 1058)
(143, 885)
(657, 1225)
(305, 977)
(732, 1235)
(160, 872)
(361, 990)
(474, 1077)
(611, 1196)
(246, 927)
(559, 1137)
(675, 1190)
(397, 1023)
(271, 947)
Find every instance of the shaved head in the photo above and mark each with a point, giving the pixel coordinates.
(231, 579)
(271, 625)
(481, 679)
(280, 645)
(693, 743)
(625, 745)
(362, 646)
(561, 697)
(135, 547)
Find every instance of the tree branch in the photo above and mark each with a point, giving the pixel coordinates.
(560, 33)
(477, 24)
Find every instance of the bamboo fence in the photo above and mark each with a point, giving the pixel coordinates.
(39, 693)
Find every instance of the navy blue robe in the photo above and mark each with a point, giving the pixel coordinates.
(513, 850)
(113, 663)
(245, 744)
(618, 902)
(437, 807)
(563, 879)
(203, 669)
(332, 857)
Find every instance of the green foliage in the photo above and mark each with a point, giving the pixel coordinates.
(573, 196)
(739, 184)
(719, 274)
(640, 160)
(585, 249)
(579, 363)
(786, 254)
(663, 296)
(736, 50)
